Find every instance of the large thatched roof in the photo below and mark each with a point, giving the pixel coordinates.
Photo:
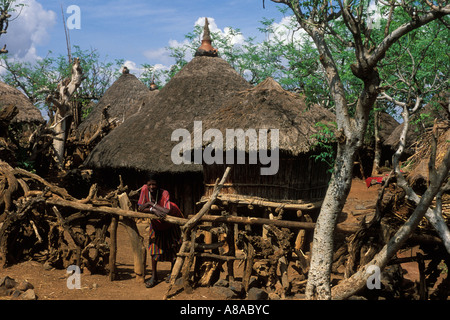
(27, 111)
(269, 106)
(124, 97)
(144, 142)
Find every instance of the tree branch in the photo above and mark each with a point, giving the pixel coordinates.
(388, 41)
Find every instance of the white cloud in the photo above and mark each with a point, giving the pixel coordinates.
(288, 30)
(28, 29)
(226, 32)
(138, 70)
(159, 54)
(132, 66)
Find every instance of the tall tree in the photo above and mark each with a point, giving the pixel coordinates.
(347, 22)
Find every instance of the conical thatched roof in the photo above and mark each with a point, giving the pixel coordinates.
(269, 106)
(124, 97)
(144, 142)
(387, 125)
(27, 111)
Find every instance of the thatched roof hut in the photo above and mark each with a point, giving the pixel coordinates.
(124, 98)
(439, 110)
(28, 113)
(418, 171)
(143, 143)
(269, 106)
(387, 125)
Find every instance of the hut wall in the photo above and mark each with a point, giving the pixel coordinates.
(298, 178)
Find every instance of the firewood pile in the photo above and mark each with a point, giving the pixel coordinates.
(32, 228)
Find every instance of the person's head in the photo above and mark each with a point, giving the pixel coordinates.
(152, 183)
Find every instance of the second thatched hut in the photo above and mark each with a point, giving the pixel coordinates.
(27, 112)
(120, 101)
(298, 178)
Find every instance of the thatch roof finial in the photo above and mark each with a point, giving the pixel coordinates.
(153, 85)
(206, 48)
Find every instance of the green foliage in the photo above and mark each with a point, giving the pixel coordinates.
(41, 77)
(325, 144)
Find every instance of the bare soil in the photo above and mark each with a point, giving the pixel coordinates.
(51, 284)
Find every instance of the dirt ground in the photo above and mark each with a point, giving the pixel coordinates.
(51, 284)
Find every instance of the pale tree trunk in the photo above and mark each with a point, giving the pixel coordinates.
(377, 156)
(318, 285)
(66, 88)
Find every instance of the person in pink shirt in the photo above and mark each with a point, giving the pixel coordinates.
(165, 237)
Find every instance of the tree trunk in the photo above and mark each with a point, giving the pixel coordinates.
(377, 156)
(137, 242)
(60, 137)
(66, 89)
(318, 285)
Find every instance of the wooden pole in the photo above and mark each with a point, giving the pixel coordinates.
(341, 227)
(136, 240)
(113, 248)
(254, 201)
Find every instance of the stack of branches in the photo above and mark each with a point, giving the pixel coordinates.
(417, 169)
(359, 248)
(7, 148)
(265, 255)
(31, 227)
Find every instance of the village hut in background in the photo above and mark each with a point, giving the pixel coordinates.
(126, 97)
(392, 142)
(416, 170)
(143, 144)
(439, 110)
(18, 119)
(417, 167)
(300, 181)
(123, 99)
(387, 125)
(27, 112)
(375, 155)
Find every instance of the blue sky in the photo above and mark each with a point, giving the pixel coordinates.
(137, 31)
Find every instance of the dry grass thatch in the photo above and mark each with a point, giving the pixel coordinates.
(387, 125)
(27, 111)
(269, 106)
(418, 162)
(144, 142)
(125, 97)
